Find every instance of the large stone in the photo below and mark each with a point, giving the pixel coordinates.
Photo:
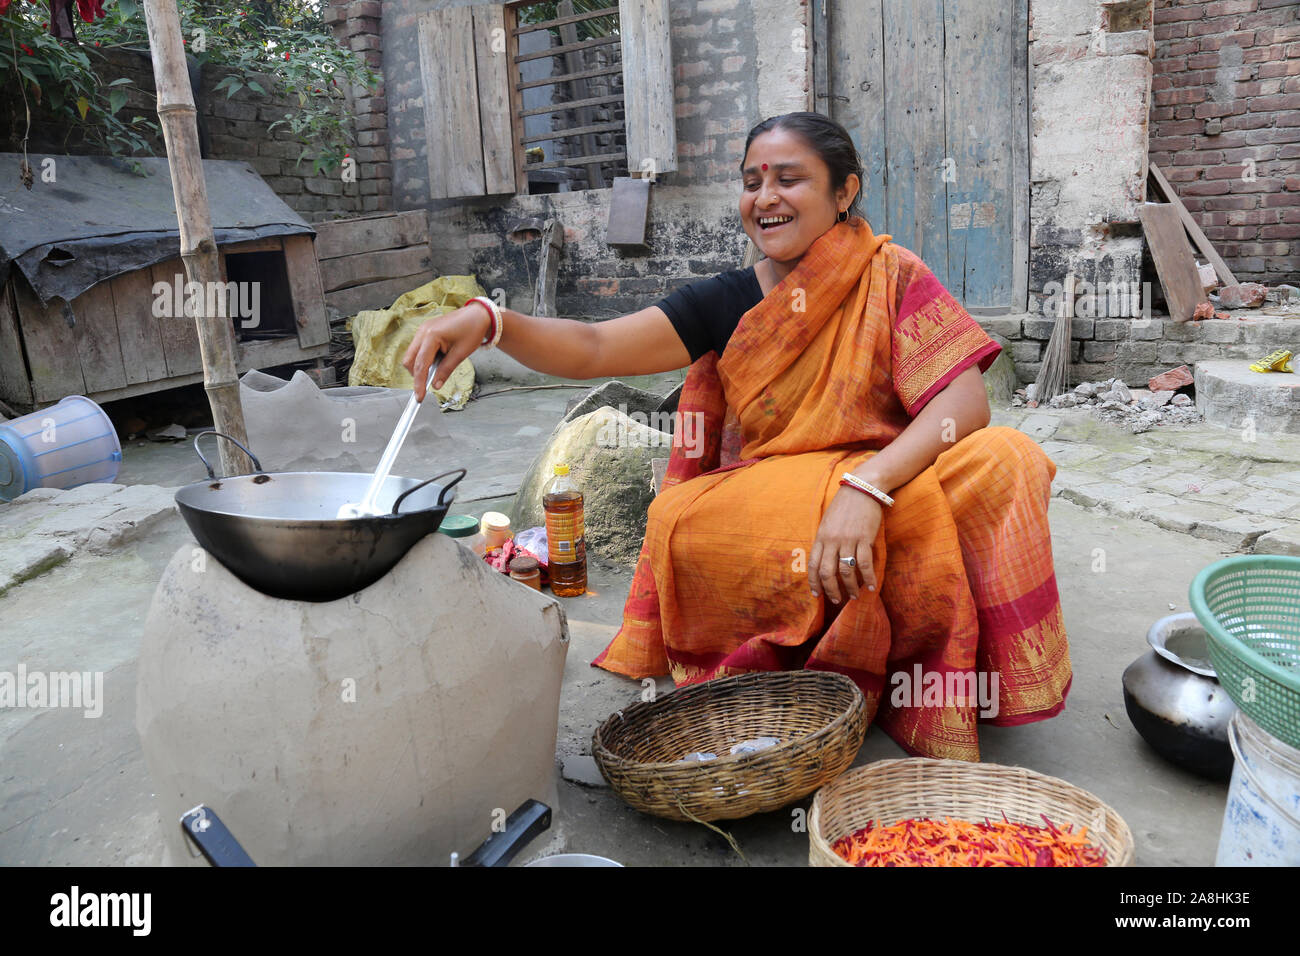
(1228, 393)
(390, 727)
(609, 457)
(1000, 380)
(634, 402)
(1244, 295)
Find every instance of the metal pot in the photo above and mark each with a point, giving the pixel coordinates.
(1173, 698)
(279, 533)
(523, 825)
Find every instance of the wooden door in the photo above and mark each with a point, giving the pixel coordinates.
(934, 94)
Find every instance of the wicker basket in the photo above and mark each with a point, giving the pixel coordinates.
(820, 718)
(893, 790)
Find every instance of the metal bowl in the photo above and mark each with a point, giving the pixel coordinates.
(1174, 699)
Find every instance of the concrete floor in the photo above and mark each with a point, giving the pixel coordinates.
(75, 790)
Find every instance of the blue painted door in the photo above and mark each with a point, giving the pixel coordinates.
(934, 94)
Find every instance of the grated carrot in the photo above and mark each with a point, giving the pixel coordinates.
(949, 842)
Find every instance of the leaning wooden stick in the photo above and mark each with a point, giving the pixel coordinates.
(198, 245)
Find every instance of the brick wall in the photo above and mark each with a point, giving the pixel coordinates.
(236, 128)
(357, 26)
(1225, 126)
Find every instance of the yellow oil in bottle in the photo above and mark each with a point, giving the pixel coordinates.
(565, 544)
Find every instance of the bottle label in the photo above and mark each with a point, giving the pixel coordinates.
(563, 535)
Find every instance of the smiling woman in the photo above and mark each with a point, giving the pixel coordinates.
(851, 511)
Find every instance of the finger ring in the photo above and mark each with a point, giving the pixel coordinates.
(850, 561)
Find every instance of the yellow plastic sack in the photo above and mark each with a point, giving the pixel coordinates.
(381, 337)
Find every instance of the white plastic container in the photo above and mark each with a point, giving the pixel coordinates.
(1261, 823)
(62, 446)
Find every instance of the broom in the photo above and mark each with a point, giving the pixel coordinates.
(1054, 373)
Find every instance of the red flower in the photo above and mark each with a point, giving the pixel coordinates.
(27, 49)
(286, 54)
(96, 43)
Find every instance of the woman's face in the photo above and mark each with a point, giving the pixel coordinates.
(787, 201)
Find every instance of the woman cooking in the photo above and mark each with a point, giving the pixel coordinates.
(851, 511)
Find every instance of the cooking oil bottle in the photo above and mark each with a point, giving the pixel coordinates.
(566, 549)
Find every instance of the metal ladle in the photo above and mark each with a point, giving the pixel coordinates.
(366, 506)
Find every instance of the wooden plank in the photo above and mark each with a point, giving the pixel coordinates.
(1175, 264)
(649, 104)
(573, 105)
(580, 161)
(516, 98)
(376, 295)
(1020, 159)
(15, 385)
(559, 21)
(567, 77)
(917, 210)
(493, 78)
(51, 346)
(370, 267)
(1199, 240)
(97, 342)
(138, 332)
(452, 130)
(819, 29)
(548, 269)
(856, 95)
(569, 46)
(976, 168)
(583, 131)
(179, 334)
(348, 237)
(305, 288)
(269, 244)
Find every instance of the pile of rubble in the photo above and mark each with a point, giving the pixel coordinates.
(1137, 410)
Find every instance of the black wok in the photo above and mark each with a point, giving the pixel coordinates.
(279, 533)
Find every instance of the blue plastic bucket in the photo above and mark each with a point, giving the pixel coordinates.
(68, 444)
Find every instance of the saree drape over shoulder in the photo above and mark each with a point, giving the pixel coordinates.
(827, 369)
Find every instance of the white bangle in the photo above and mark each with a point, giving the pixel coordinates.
(497, 324)
(868, 487)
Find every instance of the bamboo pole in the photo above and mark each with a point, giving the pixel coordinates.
(176, 114)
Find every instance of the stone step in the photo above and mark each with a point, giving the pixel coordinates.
(1228, 393)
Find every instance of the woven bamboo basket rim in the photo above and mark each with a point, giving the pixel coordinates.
(711, 688)
(863, 790)
(735, 785)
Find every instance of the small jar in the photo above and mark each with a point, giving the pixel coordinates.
(465, 529)
(496, 530)
(526, 570)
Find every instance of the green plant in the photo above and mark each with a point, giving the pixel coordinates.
(63, 77)
(266, 46)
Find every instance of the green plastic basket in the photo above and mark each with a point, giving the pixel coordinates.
(1249, 606)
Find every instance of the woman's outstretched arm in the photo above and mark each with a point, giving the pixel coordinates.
(641, 343)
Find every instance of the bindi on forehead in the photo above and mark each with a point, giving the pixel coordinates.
(796, 167)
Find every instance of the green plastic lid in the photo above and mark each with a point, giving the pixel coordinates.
(459, 526)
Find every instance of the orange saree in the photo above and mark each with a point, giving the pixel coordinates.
(826, 370)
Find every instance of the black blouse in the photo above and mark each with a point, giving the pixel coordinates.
(705, 313)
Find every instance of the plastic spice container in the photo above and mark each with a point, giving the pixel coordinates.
(465, 529)
(496, 530)
(525, 570)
